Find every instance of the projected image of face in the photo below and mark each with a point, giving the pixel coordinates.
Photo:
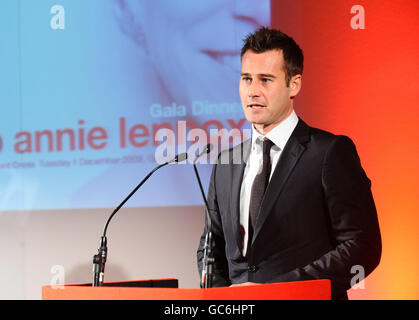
(85, 104)
(194, 45)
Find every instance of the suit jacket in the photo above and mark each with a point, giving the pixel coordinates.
(317, 220)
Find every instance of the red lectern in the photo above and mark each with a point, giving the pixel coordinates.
(154, 290)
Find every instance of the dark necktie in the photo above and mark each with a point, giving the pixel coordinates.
(258, 188)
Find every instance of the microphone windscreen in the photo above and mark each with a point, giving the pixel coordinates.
(209, 147)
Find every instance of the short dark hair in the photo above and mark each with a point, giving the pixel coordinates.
(265, 39)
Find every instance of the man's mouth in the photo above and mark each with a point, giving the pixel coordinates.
(255, 106)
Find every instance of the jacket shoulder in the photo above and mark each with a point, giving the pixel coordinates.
(320, 136)
(321, 140)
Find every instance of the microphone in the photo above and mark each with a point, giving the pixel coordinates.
(179, 158)
(208, 258)
(99, 259)
(206, 150)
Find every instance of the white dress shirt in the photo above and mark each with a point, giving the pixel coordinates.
(279, 136)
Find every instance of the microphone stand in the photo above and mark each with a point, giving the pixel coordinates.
(99, 259)
(208, 259)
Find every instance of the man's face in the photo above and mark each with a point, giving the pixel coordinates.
(264, 94)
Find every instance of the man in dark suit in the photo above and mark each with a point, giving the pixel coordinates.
(297, 205)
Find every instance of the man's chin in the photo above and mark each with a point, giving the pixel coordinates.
(254, 119)
(256, 122)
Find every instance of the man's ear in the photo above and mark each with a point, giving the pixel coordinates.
(295, 85)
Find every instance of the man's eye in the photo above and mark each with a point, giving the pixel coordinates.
(266, 80)
(246, 79)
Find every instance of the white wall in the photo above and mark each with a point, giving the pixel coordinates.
(143, 243)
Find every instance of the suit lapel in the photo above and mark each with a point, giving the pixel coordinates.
(238, 166)
(289, 158)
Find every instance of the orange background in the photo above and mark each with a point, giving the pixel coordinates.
(364, 84)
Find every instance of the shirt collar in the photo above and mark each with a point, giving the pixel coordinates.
(281, 133)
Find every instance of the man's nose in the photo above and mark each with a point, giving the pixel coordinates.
(253, 90)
